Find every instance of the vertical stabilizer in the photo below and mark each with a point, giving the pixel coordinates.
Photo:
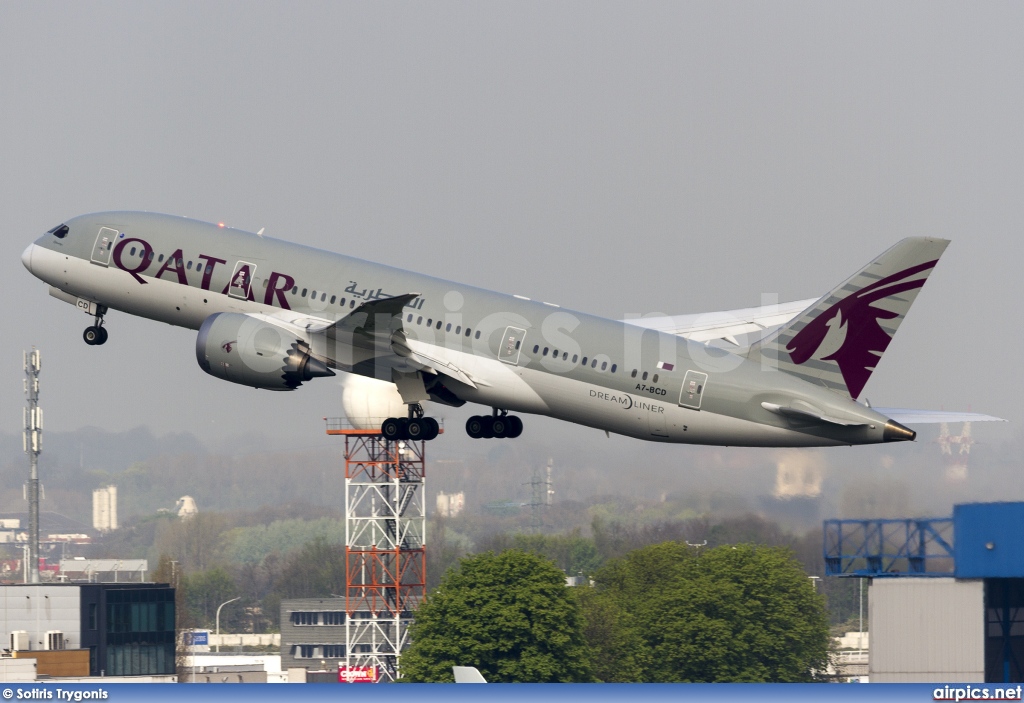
(838, 341)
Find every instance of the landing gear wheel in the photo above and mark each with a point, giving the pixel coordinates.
(94, 335)
(393, 429)
(415, 429)
(475, 427)
(431, 428)
(499, 426)
(515, 427)
(488, 427)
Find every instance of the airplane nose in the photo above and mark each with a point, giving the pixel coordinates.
(26, 257)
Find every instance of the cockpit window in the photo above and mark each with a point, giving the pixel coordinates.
(60, 231)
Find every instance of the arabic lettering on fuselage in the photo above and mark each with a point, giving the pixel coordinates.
(277, 284)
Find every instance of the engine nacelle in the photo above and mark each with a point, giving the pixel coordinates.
(251, 351)
(367, 402)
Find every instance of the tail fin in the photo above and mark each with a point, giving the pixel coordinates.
(838, 341)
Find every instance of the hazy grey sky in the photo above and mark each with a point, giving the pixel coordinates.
(611, 157)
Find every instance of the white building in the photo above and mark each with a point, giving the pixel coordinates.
(104, 508)
(450, 504)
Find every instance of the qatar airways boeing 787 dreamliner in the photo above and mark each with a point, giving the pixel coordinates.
(271, 314)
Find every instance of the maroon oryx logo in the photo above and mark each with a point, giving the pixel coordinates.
(849, 334)
(227, 346)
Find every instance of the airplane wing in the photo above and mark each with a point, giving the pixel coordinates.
(927, 417)
(376, 326)
(704, 327)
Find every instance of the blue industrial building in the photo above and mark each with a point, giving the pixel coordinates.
(953, 599)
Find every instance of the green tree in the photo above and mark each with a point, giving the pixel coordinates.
(510, 615)
(204, 591)
(742, 613)
(315, 571)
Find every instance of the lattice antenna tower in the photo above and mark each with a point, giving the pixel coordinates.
(385, 547)
(32, 439)
(541, 498)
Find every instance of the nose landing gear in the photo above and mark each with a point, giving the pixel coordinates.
(500, 425)
(96, 334)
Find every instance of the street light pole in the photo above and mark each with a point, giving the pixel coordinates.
(218, 618)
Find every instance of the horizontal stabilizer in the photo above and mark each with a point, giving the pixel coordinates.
(927, 417)
(727, 324)
(809, 415)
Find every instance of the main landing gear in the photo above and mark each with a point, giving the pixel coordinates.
(96, 334)
(499, 425)
(415, 427)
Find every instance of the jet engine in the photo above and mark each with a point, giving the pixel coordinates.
(368, 402)
(252, 351)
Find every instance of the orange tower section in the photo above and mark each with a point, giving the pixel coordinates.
(385, 549)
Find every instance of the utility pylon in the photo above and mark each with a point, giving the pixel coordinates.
(32, 440)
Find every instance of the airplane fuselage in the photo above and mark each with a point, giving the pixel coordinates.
(511, 353)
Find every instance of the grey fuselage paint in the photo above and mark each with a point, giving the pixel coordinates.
(182, 271)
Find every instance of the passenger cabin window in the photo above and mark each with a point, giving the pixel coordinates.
(575, 357)
(132, 251)
(604, 365)
(448, 327)
(151, 258)
(633, 375)
(323, 297)
(477, 335)
(334, 297)
(654, 379)
(545, 352)
(438, 324)
(565, 356)
(304, 291)
(430, 322)
(468, 330)
(209, 269)
(535, 348)
(189, 267)
(644, 377)
(410, 318)
(419, 320)
(295, 289)
(584, 361)
(313, 296)
(614, 367)
(160, 259)
(458, 329)
(593, 364)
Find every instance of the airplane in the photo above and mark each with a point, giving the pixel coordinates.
(274, 315)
